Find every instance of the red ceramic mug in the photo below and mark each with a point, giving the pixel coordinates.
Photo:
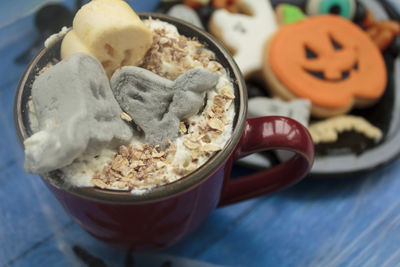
(168, 213)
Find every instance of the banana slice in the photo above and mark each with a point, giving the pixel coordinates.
(110, 31)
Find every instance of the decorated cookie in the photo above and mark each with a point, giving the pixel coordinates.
(298, 109)
(381, 32)
(327, 131)
(244, 35)
(344, 8)
(328, 60)
(286, 14)
(156, 104)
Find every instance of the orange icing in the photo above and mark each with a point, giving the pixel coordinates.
(355, 54)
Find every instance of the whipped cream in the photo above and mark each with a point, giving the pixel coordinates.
(202, 135)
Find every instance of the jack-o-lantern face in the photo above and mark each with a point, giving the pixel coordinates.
(328, 60)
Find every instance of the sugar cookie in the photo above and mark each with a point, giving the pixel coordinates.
(298, 109)
(245, 35)
(328, 130)
(286, 14)
(381, 32)
(344, 8)
(328, 60)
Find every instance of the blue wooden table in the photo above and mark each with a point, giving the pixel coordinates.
(326, 222)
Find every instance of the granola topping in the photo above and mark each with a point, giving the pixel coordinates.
(172, 54)
(216, 124)
(139, 166)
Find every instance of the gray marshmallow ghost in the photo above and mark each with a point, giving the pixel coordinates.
(77, 114)
(157, 105)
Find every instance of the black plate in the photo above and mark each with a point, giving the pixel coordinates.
(354, 153)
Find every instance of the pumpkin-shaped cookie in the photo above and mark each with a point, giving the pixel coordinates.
(328, 60)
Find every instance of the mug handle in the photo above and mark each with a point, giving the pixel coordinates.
(267, 133)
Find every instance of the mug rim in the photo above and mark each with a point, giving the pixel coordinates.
(168, 190)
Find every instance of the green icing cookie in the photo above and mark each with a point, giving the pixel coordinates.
(291, 14)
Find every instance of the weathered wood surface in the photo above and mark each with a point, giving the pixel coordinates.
(335, 222)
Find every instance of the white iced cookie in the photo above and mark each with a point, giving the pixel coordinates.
(329, 129)
(298, 109)
(245, 35)
(110, 31)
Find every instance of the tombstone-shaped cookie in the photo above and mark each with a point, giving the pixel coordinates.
(157, 105)
(77, 113)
